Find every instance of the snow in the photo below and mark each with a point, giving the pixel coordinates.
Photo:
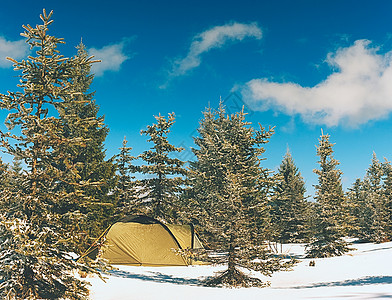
(364, 273)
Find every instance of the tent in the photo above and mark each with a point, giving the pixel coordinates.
(144, 241)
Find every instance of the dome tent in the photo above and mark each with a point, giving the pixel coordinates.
(144, 241)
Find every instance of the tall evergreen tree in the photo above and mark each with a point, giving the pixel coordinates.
(331, 208)
(229, 196)
(89, 156)
(289, 207)
(36, 234)
(159, 194)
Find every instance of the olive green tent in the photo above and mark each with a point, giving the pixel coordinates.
(143, 241)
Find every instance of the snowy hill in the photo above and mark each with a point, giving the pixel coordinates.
(364, 273)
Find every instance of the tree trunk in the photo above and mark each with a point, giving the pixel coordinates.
(231, 260)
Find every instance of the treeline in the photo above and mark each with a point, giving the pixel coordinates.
(61, 192)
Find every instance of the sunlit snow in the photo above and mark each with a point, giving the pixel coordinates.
(365, 273)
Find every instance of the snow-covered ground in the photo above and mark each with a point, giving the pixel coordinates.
(365, 273)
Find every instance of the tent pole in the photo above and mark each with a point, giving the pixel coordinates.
(87, 252)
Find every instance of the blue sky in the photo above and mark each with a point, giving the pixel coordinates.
(297, 65)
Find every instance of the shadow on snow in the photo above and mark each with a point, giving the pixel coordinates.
(164, 278)
(379, 249)
(370, 280)
(156, 277)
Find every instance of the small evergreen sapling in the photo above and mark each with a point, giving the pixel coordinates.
(126, 188)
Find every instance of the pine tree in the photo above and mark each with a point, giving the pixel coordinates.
(89, 156)
(289, 207)
(159, 195)
(37, 236)
(229, 196)
(126, 188)
(330, 226)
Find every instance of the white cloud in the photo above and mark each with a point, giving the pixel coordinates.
(358, 91)
(215, 37)
(111, 56)
(14, 49)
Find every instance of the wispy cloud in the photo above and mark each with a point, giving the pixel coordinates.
(112, 57)
(213, 38)
(358, 91)
(15, 49)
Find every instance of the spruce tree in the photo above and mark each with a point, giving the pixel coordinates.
(371, 198)
(89, 156)
(37, 236)
(229, 196)
(159, 192)
(376, 200)
(126, 187)
(330, 227)
(289, 207)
